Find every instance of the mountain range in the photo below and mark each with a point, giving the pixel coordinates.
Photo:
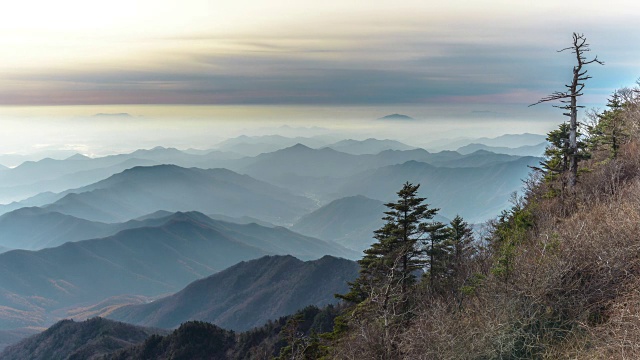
(506, 140)
(248, 294)
(13, 160)
(256, 145)
(525, 150)
(141, 190)
(55, 175)
(115, 235)
(368, 146)
(34, 228)
(476, 194)
(155, 259)
(108, 339)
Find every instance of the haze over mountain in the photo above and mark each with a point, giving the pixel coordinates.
(31, 178)
(477, 159)
(142, 190)
(256, 145)
(507, 140)
(368, 146)
(298, 163)
(248, 294)
(13, 160)
(298, 168)
(513, 140)
(151, 260)
(349, 221)
(34, 228)
(526, 150)
(477, 194)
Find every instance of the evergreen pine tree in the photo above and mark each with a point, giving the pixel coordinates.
(462, 249)
(438, 250)
(557, 154)
(397, 254)
(608, 131)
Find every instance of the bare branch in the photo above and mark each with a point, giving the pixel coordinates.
(574, 91)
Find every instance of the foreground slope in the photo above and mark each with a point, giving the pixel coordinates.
(556, 277)
(248, 294)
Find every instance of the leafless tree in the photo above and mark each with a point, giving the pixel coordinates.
(569, 98)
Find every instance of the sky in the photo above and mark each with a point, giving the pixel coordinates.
(438, 58)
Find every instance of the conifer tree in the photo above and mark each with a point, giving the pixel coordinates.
(461, 239)
(558, 153)
(387, 272)
(608, 130)
(393, 260)
(461, 251)
(438, 251)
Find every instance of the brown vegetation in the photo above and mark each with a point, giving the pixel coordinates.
(558, 275)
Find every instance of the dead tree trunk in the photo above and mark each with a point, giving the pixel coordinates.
(570, 99)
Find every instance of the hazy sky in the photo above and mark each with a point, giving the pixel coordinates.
(463, 68)
(330, 52)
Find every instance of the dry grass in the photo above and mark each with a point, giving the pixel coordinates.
(575, 288)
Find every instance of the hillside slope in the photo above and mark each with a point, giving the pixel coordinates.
(248, 294)
(557, 275)
(159, 258)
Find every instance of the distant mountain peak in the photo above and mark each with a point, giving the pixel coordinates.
(78, 157)
(296, 147)
(396, 117)
(157, 149)
(190, 216)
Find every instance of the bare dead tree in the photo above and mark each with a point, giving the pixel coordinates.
(569, 98)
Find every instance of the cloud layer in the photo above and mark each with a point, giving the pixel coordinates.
(339, 55)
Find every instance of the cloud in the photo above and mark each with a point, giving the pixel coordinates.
(407, 66)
